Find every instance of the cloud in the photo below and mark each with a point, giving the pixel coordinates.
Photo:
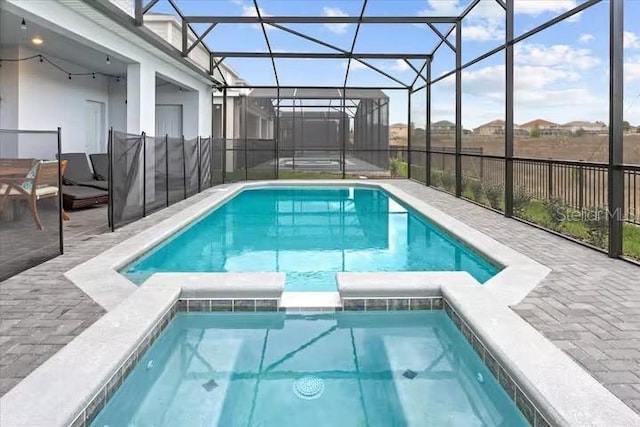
(335, 28)
(549, 81)
(631, 40)
(482, 32)
(486, 20)
(250, 10)
(562, 56)
(487, 8)
(585, 38)
(355, 65)
(400, 66)
(537, 7)
(632, 69)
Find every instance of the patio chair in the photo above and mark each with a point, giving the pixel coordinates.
(40, 182)
(79, 172)
(79, 196)
(100, 164)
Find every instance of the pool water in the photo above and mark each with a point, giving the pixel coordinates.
(343, 369)
(311, 233)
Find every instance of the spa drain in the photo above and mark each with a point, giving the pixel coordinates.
(308, 387)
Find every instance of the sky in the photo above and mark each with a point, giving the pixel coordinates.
(561, 73)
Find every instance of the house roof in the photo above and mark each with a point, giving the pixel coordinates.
(538, 122)
(582, 123)
(398, 125)
(443, 123)
(492, 123)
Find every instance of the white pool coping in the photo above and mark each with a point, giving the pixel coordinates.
(62, 386)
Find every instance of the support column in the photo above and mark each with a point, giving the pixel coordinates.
(427, 129)
(223, 145)
(458, 108)
(508, 114)
(277, 135)
(141, 117)
(141, 99)
(615, 182)
(409, 133)
(205, 113)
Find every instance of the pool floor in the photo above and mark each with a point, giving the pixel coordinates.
(341, 369)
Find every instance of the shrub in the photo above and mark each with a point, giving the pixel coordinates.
(596, 219)
(557, 211)
(494, 194)
(475, 187)
(521, 198)
(436, 178)
(397, 167)
(448, 181)
(535, 132)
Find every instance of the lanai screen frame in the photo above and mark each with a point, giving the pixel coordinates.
(615, 165)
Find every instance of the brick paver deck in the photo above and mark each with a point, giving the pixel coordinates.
(41, 311)
(589, 305)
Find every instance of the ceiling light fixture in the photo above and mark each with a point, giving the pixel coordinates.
(23, 24)
(37, 41)
(108, 60)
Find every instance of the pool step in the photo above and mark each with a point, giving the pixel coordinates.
(322, 301)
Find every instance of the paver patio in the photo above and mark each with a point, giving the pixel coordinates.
(589, 305)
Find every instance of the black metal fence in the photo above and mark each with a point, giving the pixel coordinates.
(572, 184)
(30, 199)
(150, 173)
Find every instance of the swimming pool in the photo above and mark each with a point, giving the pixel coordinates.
(311, 233)
(341, 369)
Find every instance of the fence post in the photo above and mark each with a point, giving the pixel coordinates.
(166, 166)
(458, 137)
(509, 119)
(110, 180)
(581, 186)
(199, 151)
(616, 117)
(550, 179)
(144, 174)
(224, 154)
(60, 201)
(184, 170)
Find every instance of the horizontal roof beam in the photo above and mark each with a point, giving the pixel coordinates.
(327, 55)
(320, 19)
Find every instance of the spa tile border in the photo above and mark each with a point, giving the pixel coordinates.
(100, 399)
(190, 305)
(391, 304)
(513, 390)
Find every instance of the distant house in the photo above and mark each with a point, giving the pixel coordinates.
(544, 126)
(593, 128)
(497, 127)
(443, 127)
(398, 135)
(398, 131)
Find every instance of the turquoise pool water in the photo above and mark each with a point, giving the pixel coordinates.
(311, 233)
(342, 369)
